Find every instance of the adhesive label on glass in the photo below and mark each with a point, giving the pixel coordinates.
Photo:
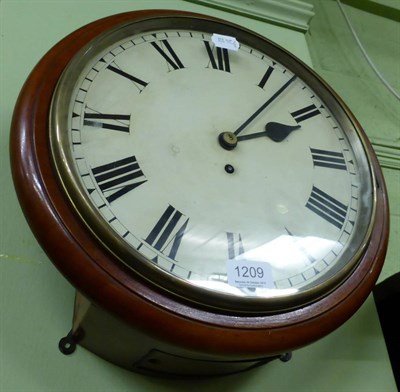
(225, 42)
(249, 274)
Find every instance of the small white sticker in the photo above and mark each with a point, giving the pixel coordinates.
(250, 274)
(225, 42)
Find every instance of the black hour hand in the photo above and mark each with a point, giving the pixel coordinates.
(275, 131)
(279, 132)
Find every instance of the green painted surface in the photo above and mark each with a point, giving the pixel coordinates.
(338, 59)
(36, 301)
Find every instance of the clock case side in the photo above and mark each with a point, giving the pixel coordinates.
(109, 285)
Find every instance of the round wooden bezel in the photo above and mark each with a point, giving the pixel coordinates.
(94, 272)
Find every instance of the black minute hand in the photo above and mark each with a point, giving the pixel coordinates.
(264, 106)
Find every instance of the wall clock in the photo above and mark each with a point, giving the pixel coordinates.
(214, 202)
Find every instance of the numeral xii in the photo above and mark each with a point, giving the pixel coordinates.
(221, 62)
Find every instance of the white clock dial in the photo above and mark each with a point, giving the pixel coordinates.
(215, 170)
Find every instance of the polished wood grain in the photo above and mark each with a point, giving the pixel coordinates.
(106, 283)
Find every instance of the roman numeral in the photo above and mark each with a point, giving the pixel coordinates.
(265, 78)
(330, 159)
(140, 84)
(221, 62)
(235, 245)
(327, 207)
(113, 122)
(305, 113)
(117, 178)
(171, 57)
(168, 232)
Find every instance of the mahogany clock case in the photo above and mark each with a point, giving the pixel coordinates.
(115, 289)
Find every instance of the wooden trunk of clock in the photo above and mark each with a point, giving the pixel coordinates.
(126, 346)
